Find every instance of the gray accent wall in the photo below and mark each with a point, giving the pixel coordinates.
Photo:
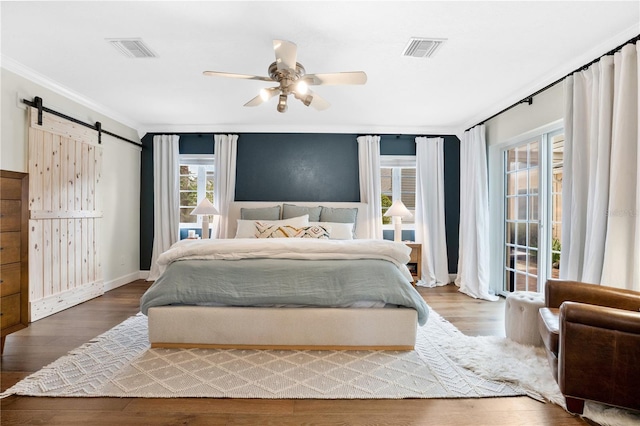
(297, 167)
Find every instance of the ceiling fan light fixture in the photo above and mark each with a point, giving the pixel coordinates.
(305, 99)
(302, 87)
(282, 103)
(293, 80)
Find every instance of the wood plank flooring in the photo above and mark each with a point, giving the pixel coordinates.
(46, 340)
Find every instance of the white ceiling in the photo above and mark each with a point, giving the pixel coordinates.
(496, 54)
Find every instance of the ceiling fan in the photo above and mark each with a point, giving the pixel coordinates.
(293, 80)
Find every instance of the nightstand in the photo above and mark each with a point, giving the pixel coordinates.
(415, 262)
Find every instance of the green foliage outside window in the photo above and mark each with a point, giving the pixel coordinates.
(189, 191)
(386, 203)
(555, 254)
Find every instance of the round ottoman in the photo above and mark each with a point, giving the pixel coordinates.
(521, 317)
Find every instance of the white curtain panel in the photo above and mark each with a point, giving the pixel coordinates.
(225, 149)
(473, 257)
(166, 197)
(601, 199)
(429, 220)
(370, 192)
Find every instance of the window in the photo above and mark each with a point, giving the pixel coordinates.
(398, 182)
(557, 162)
(532, 193)
(196, 182)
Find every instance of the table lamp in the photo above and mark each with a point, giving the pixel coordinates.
(204, 209)
(397, 211)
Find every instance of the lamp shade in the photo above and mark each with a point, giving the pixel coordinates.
(398, 209)
(205, 208)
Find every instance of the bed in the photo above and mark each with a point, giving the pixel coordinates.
(286, 293)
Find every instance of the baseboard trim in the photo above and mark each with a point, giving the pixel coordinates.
(120, 281)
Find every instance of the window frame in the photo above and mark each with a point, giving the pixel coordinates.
(197, 160)
(396, 163)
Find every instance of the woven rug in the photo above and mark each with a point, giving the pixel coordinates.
(119, 363)
(444, 364)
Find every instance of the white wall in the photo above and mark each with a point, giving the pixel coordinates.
(120, 171)
(547, 108)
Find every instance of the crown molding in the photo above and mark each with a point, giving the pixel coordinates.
(25, 72)
(261, 128)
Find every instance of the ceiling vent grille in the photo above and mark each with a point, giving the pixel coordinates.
(132, 47)
(423, 47)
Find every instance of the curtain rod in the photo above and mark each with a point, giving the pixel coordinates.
(529, 99)
(37, 103)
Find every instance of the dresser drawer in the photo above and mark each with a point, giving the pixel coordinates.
(9, 279)
(10, 218)
(10, 309)
(11, 188)
(9, 247)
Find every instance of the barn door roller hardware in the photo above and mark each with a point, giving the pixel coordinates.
(37, 104)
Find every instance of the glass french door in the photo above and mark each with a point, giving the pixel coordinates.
(522, 199)
(532, 212)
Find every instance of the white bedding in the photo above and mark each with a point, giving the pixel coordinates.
(288, 248)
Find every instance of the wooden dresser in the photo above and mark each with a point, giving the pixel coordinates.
(14, 252)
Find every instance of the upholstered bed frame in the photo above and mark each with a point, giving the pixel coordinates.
(284, 328)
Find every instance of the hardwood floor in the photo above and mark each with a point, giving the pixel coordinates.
(46, 340)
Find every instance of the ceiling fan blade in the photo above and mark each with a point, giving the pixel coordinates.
(265, 95)
(286, 54)
(318, 102)
(352, 77)
(232, 75)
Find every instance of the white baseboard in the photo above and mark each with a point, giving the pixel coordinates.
(143, 275)
(120, 281)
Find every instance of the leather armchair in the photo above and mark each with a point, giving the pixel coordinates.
(592, 337)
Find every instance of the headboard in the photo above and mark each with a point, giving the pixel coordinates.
(234, 212)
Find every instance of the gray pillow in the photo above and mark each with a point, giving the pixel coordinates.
(340, 215)
(261, 213)
(291, 210)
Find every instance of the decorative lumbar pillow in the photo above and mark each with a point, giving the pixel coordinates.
(338, 231)
(247, 228)
(265, 230)
(261, 213)
(314, 231)
(292, 210)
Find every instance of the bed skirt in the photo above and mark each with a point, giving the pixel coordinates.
(282, 328)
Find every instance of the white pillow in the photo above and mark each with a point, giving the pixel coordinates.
(339, 231)
(247, 228)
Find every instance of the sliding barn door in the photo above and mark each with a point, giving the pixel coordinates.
(65, 163)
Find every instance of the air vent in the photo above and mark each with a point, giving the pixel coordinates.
(131, 47)
(423, 47)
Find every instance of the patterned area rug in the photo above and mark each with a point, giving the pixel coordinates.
(119, 363)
